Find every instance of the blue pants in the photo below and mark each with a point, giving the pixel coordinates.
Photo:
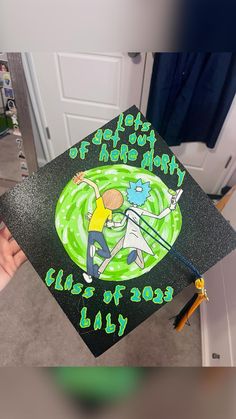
(104, 252)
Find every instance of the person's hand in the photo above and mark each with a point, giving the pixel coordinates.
(78, 178)
(109, 224)
(173, 203)
(89, 215)
(11, 257)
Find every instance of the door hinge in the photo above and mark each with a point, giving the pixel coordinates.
(48, 133)
(228, 162)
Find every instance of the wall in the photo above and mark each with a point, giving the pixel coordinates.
(3, 56)
(232, 180)
(37, 141)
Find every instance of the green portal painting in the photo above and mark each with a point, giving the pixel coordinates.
(143, 193)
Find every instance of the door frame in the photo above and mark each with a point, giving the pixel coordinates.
(20, 89)
(146, 81)
(37, 105)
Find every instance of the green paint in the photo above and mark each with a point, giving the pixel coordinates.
(181, 174)
(104, 155)
(115, 138)
(76, 201)
(147, 160)
(114, 155)
(117, 294)
(110, 327)
(168, 295)
(84, 321)
(123, 323)
(137, 121)
(77, 288)
(147, 293)
(120, 122)
(98, 321)
(164, 163)
(129, 120)
(97, 139)
(48, 278)
(58, 285)
(133, 154)
(73, 152)
(173, 165)
(146, 126)
(159, 296)
(88, 292)
(123, 152)
(107, 296)
(142, 139)
(157, 161)
(133, 138)
(107, 134)
(83, 150)
(68, 282)
(136, 297)
(152, 139)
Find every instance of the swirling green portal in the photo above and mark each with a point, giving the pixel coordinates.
(76, 201)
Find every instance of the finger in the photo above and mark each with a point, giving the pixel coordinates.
(14, 246)
(6, 233)
(10, 265)
(20, 258)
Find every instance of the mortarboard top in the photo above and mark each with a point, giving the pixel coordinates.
(98, 224)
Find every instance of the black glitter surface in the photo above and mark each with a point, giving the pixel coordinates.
(29, 212)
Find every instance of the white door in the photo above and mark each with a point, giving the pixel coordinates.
(77, 93)
(211, 168)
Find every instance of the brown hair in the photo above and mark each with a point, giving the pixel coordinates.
(112, 199)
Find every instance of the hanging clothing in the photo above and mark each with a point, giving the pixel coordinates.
(190, 95)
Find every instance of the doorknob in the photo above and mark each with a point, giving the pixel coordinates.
(134, 54)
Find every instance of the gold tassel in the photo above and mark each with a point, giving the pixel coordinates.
(201, 295)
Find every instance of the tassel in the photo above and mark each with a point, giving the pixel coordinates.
(182, 318)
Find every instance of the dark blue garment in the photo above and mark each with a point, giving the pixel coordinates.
(207, 25)
(104, 252)
(190, 95)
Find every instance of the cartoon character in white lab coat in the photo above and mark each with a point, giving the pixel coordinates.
(137, 194)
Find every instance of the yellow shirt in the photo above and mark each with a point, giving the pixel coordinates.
(100, 216)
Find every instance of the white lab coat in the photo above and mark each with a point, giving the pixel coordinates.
(133, 236)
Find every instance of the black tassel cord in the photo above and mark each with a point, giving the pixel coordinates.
(198, 297)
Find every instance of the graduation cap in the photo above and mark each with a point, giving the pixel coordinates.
(116, 227)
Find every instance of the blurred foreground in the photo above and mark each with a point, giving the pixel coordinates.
(117, 393)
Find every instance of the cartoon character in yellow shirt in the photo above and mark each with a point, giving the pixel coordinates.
(105, 203)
